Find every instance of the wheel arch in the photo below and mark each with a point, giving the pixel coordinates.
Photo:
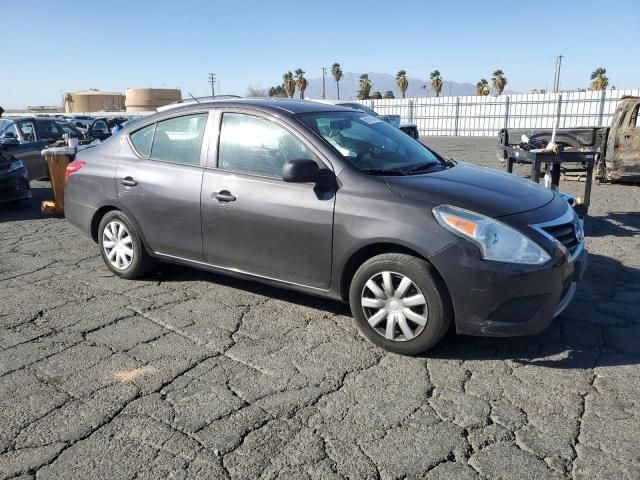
(103, 210)
(366, 252)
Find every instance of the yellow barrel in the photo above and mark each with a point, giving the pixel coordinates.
(57, 160)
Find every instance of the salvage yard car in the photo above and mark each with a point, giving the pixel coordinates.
(334, 202)
(14, 180)
(25, 137)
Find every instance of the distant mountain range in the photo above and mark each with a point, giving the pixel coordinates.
(381, 82)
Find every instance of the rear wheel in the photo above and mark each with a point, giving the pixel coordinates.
(399, 304)
(121, 247)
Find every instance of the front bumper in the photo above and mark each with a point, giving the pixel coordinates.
(502, 299)
(14, 186)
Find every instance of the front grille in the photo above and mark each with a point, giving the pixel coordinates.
(565, 234)
(567, 230)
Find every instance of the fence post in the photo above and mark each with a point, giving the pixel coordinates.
(507, 101)
(601, 113)
(410, 111)
(455, 128)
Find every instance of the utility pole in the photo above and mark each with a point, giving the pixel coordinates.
(324, 71)
(212, 82)
(556, 81)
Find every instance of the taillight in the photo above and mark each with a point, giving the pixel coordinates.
(73, 167)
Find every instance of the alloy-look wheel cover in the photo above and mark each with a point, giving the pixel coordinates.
(394, 306)
(117, 245)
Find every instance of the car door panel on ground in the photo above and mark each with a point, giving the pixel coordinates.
(253, 221)
(160, 184)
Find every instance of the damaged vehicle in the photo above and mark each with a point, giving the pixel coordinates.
(333, 202)
(618, 146)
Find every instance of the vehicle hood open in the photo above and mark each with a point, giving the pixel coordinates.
(479, 189)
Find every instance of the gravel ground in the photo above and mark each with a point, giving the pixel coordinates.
(192, 375)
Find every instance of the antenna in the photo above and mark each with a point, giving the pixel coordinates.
(197, 101)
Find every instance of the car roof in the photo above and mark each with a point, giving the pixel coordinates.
(283, 105)
(31, 118)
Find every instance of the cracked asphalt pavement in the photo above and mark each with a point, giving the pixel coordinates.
(188, 374)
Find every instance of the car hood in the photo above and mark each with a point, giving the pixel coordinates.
(479, 189)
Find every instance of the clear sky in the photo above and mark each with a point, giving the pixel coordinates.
(53, 46)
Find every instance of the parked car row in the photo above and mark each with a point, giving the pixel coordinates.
(25, 137)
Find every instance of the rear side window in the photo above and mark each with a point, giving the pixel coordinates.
(179, 139)
(142, 140)
(257, 146)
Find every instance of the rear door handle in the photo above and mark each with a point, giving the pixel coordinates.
(128, 182)
(223, 196)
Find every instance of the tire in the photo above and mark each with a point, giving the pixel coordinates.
(136, 262)
(437, 309)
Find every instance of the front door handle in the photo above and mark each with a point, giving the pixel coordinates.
(223, 196)
(128, 182)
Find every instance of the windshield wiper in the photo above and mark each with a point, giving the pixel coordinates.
(422, 167)
(382, 171)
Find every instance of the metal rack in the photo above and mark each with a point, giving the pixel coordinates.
(558, 161)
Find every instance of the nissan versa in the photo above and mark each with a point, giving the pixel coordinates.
(334, 202)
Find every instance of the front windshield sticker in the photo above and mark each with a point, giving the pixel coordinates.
(370, 120)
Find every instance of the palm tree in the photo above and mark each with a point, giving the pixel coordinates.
(499, 81)
(365, 87)
(482, 87)
(336, 72)
(436, 82)
(599, 80)
(288, 84)
(301, 82)
(388, 95)
(402, 82)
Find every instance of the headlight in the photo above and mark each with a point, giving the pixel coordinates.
(15, 165)
(497, 242)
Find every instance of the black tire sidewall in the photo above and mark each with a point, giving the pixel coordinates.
(420, 272)
(140, 262)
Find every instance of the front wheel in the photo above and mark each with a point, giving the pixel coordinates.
(400, 304)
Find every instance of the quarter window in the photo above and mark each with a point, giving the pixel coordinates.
(179, 139)
(257, 146)
(142, 139)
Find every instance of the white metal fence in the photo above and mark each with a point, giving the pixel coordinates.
(485, 116)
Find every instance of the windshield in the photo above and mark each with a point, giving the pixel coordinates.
(359, 106)
(4, 123)
(371, 144)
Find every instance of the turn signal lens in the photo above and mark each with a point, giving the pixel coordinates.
(72, 168)
(460, 224)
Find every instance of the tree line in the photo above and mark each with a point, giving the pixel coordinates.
(297, 81)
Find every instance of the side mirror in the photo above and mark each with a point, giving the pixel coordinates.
(300, 171)
(9, 135)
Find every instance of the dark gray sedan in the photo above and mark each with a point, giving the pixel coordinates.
(333, 202)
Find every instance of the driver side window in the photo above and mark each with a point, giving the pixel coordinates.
(27, 131)
(254, 145)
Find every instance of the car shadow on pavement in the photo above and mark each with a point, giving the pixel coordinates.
(178, 273)
(617, 224)
(27, 209)
(599, 328)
